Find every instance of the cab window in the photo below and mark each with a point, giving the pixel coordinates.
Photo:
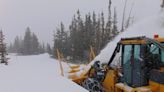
(162, 56)
(154, 49)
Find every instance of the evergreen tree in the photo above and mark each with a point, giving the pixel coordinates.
(79, 45)
(60, 39)
(17, 46)
(49, 49)
(34, 44)
(102, 31)
(94, 26)
(10, 48)
(108, 30)
(98, 36)
(73, 37)
(3, 52)
(30, 43)
(83, 33)
(28, 46)
(41, 48)
(27, 42)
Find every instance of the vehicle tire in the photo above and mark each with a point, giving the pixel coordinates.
(93, 85)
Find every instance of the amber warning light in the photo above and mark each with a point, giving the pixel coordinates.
(156, 36)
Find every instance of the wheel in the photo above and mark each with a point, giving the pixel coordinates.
(93, 85)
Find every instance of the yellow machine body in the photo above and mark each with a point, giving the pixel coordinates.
(110, 82)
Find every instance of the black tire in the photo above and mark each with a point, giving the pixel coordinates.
(93, 85)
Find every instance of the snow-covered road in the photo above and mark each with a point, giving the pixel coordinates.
(34, 74)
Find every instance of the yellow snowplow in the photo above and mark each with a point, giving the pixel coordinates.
(139, 69)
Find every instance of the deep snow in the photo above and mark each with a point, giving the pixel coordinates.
(36, 73)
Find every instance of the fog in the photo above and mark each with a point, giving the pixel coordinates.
(43, 16)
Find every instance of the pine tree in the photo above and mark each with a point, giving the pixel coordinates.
(34, 44)
(79, 47)
(89, 31)
(85, 32)
(3, 51)
(17, 45)
(108, 29)
(60, 39)
(98, 36)
(94, 25)
(73, 37)
(27, 42)
(102, 31)
(49, 49)
(10, 48)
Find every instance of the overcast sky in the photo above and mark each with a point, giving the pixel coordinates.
(43, 16)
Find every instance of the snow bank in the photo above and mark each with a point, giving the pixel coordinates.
(147, 27)
(36, 73)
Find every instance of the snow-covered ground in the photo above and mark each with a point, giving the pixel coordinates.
(37, 73)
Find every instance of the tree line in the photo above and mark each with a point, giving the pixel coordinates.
(74, 43)
(93, 30)
(29, 45)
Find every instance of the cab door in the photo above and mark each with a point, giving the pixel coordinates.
(132, 62)
(126, 63)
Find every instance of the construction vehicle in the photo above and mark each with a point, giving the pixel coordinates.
(140, 68)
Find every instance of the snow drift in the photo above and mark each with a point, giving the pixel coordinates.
(37, 73)
(147, 27)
